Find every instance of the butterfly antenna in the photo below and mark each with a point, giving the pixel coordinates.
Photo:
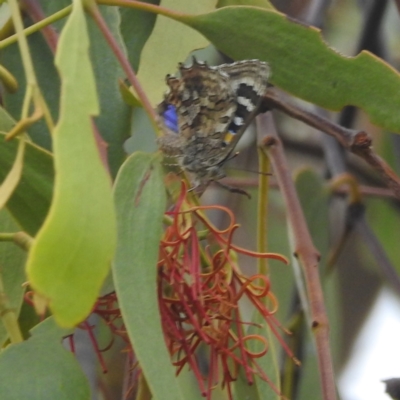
(249, 170)
(232, 189)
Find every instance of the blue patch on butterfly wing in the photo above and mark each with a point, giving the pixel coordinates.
(171, 118)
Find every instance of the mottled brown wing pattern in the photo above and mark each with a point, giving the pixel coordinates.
(212, 107)
(248, 80)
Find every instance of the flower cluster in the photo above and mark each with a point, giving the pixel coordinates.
(199, 289)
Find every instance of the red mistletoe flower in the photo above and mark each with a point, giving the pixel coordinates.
(199, 289)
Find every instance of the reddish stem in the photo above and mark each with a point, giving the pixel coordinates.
(307, 255)
(119, 54)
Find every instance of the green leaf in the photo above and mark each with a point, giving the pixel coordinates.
(385, 220)
(41, 368)
(140, 203)
(14, 172)
(12, 269)
(48, 80)
(302, 64)
(255, 3)
(70, 257)
(268, 363)
(143, 136)
(169, 44)
(115, 118)
(309, 385)
(30, 202)
(114, 121)
(136, 27)
(6, 121)
(190, 387)
(128, 95)
(13, 177)
(28, 319)
(242, 389)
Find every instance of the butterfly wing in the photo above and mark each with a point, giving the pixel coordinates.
(248, 80)
(213, 106)
(205, 103)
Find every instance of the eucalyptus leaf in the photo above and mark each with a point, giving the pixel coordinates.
(136, 27)
(41, 368)
(255, 3)
(140, 202)
(71, 254)
(48, 80)
(12, 269)
(114, 121)
(169, 44)
(301, 62)
(30, 202)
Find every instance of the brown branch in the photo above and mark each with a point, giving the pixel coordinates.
(358, 142)
(380, 165)
(305, 252)
(126, 67)
(33, 8)
(346, 137)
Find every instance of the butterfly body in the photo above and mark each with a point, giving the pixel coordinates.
(206, 111)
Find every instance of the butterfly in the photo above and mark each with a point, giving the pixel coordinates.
(205, 112)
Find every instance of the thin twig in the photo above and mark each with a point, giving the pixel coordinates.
(9, 316)
(37, 26)
(119, 54)
(35, 11)
(348, 138)
(358, 142)
(380, 165)
(308, 257)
